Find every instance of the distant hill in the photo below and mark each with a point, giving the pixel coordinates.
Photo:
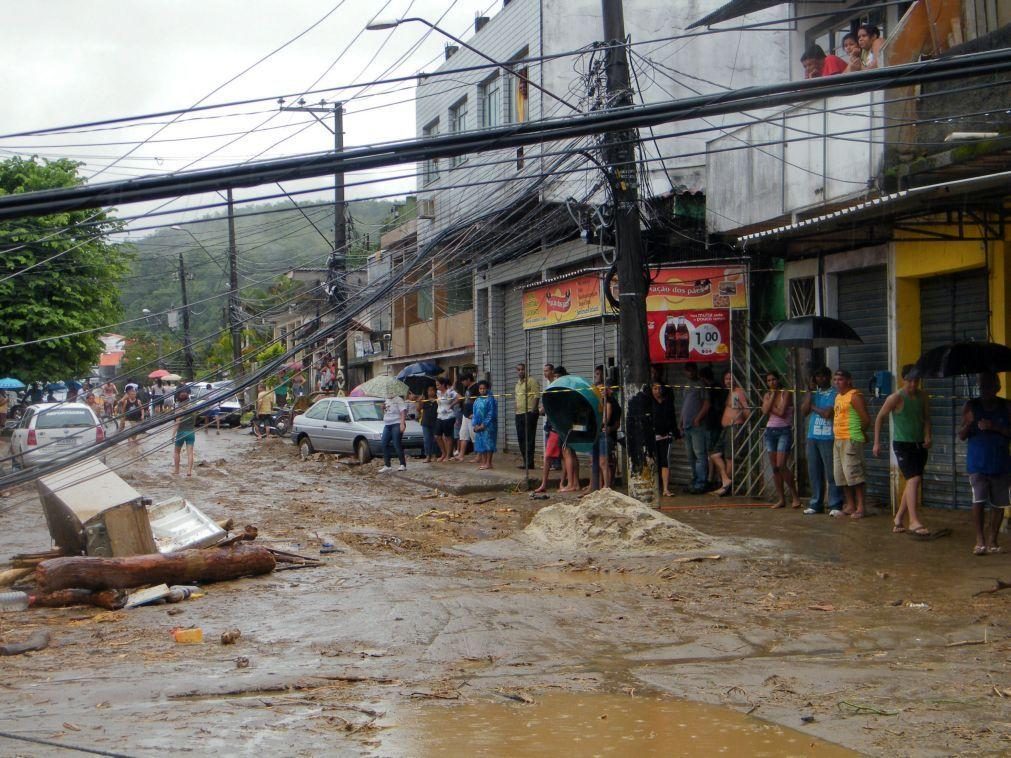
(271, 240)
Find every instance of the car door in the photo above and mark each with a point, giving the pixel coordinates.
(338, 420)
(317, 427)
(20, 433)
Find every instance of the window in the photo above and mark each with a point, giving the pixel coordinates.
(490, 98)
(459, 292)
(457, 124)
(829, 36)
(519, 95)
(318, 411)
(370, 410)
(338, 412)
(65, 418)
(430, 169)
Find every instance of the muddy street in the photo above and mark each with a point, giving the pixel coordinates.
(442, 625)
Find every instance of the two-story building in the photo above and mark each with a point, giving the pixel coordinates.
(889, 208)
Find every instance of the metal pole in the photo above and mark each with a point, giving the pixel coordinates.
(187, 344)
(337, 266)
(233, 291)
(619, 153)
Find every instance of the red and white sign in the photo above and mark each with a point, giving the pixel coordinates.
(682, 336)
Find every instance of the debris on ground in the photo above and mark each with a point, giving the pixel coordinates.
(37, 640)
(230, 637)
(609, 520)
(191, 636)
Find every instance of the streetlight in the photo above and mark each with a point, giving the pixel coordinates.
(377, 26)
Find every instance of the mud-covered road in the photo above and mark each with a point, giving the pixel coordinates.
(430, 632)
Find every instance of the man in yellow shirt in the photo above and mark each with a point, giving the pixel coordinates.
(527, 394)
(849, 425)
(264, 411)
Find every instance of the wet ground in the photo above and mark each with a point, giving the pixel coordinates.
(431, 633)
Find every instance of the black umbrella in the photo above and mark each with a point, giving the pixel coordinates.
(418, 383)
(967, 357)
(812, 332)
(421, 368)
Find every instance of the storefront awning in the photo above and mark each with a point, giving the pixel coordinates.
(734, 9)
(452, 352)
(919, 201)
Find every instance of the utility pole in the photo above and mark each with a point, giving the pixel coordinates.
(233, 292)
(336, 267)
(187, 343)
(620, 157)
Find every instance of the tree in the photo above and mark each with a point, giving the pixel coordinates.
(59, 275)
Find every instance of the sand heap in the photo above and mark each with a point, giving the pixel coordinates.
(610, 521)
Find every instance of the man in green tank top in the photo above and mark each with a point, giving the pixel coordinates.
(910, 411)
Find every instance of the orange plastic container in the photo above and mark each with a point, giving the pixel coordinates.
(188, 636)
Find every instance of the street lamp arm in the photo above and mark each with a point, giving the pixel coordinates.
(381, 25)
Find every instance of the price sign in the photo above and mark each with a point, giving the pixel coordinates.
(682, 336)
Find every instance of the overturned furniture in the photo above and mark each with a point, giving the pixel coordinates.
(89, 509)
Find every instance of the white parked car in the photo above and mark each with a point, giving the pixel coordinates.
(348, 425)
(48, 430)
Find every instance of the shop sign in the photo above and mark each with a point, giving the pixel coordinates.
(680, 289)
(563, 302)
(688, 335)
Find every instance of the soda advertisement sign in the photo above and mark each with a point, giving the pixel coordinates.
(682, 336)
(563, 301)
(680, 289)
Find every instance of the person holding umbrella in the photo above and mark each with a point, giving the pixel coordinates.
(910, 411)
(986, 424)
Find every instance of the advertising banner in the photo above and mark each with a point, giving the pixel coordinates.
(682, 336)
(563, 302)
(682, 289)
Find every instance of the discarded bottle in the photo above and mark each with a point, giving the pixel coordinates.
(14, 601)
(180, 592)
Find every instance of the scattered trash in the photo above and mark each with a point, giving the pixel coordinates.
(538, 496)
(896, 603)
(37, 640)
(911, 604)
(191, 636)
(698, 558)
(824, 607)
(882, 574)
(11, 576)
(230, 637)
(177, 524)
(242, 662)
(147, 596)
(483, 501)
(807, 719)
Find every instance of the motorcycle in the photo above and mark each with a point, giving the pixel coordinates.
(279, 423)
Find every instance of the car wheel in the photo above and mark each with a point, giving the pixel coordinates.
(362, 451)
(305, 448)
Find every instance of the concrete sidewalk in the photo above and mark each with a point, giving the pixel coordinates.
(465, 478)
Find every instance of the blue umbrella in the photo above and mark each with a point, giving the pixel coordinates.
(421, 368)
(73, 384)
(573, 408)
(10, 383)
(53, 386)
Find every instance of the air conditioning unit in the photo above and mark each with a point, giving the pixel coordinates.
(426, 209)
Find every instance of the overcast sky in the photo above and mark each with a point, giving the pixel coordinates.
(69, 62)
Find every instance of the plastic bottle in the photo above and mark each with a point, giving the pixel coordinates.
(180, 592)
(14, 601)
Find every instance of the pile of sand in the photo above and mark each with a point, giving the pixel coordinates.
(609, 521)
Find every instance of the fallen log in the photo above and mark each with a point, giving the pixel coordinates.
(111, 600)
(182, 567)
(38, 640)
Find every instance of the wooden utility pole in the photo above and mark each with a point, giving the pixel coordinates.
(234, 310)
(620, 157)
(187, 342)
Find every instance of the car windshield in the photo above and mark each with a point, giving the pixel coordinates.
(63, 418)
(368, 411)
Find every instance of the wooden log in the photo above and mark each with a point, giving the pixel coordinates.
(183, 567)
(111, 600)
(8, 577)
(38, 640)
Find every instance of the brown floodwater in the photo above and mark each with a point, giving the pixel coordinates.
(590, 724)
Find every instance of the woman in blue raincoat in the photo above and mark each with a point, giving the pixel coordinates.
(485, 423)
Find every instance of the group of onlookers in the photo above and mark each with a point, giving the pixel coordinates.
(862, 51)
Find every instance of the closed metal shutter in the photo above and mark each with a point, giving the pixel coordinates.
(951, 308)
(578, 343)
(515, 339)
(863, 304)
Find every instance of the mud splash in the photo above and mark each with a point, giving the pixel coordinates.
(591, 724)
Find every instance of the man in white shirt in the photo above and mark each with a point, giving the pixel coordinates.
(394, 424)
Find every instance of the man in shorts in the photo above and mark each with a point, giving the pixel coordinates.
(849, 422)
(264, 411)
(184, 433)
(986, 424)
(466, 401)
